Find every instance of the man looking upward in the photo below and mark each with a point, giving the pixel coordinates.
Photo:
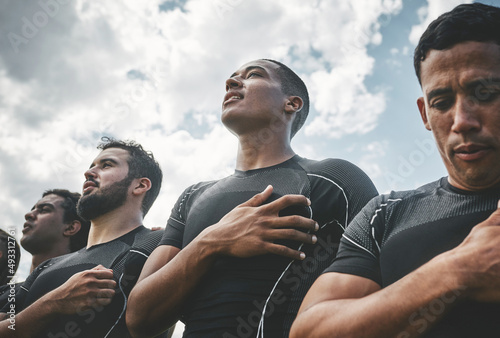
(53, 227)
(84, 294)
(230, 264)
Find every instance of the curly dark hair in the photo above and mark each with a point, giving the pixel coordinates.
(141, 163)
(468, 22)
(78, 240)
(292, 84)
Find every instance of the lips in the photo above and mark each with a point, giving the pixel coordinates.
(232, 96)
(471, 152)
(27, 227)
(89, 185)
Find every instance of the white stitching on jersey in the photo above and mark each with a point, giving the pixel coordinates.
(375, 216)
(360, 246)
(260, 330)
(343, 193)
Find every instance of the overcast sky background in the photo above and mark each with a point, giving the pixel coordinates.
(154, 72)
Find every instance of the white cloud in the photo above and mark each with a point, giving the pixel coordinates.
(373, 155)
(429, 13)
(128, 70)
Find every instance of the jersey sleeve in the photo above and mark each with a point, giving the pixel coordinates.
(353, 187)
(176, 223)
(359, 249)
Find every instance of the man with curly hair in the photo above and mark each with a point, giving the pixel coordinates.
(84, 294)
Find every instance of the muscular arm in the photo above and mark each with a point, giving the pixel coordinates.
(343, 305)
(170, 276)
(83, 290)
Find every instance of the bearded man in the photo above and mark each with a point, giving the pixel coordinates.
(84, 294)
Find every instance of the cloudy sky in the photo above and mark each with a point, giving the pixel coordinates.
(154, 71)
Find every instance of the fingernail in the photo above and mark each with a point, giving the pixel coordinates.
(308, 202)
(302, 255)
(314, 238)
(316, 226)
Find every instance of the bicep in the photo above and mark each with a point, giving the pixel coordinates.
(158, 258)
(336, 286)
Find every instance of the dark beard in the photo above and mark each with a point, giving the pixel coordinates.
(101, 202)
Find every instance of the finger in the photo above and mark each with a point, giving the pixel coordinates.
(293, 235)
(285, 251)
(103, 301)
(106, 293)
(101, 274)
(258, 199)
(100, 267)
(102, 298)
(104, 283)
(288, 200)
(293, 221)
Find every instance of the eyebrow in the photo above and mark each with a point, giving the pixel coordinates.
(249, 68)
(41, 205)
(104, 160)
(469, 86)
(436, 92)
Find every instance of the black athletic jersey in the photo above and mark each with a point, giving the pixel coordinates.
(231, 298)
(125, 255)
(8, 291)
(397, 233)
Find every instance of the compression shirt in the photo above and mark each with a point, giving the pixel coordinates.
(231, 299)
(397, 233)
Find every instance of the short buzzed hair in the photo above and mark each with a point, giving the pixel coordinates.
(468, 22)
(292, 84)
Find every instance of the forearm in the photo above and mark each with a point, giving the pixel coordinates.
(31, 321)
(156, 302)
(403, 309)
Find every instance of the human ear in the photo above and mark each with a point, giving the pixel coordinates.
(293, 104)
(423, 112)
(141, 186)
(72, 228)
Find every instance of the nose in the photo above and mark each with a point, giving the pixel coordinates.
(30, 215)
(232, 82)
(466, 115)
(89, 173)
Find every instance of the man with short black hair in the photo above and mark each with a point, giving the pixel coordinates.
(231, 264)
(426, 262)
(84, 294)
(53, 227)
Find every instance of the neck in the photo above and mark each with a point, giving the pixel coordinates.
(114, 224)
(39, 258)
(255, 154)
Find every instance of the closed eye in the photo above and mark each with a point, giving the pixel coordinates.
(441, 103)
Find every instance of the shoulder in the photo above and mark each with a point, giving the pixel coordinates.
(411, 196)
(199, 186)
(195, 189)
(332, 168)
(147, 239)
(345, 175)
(401, 200)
